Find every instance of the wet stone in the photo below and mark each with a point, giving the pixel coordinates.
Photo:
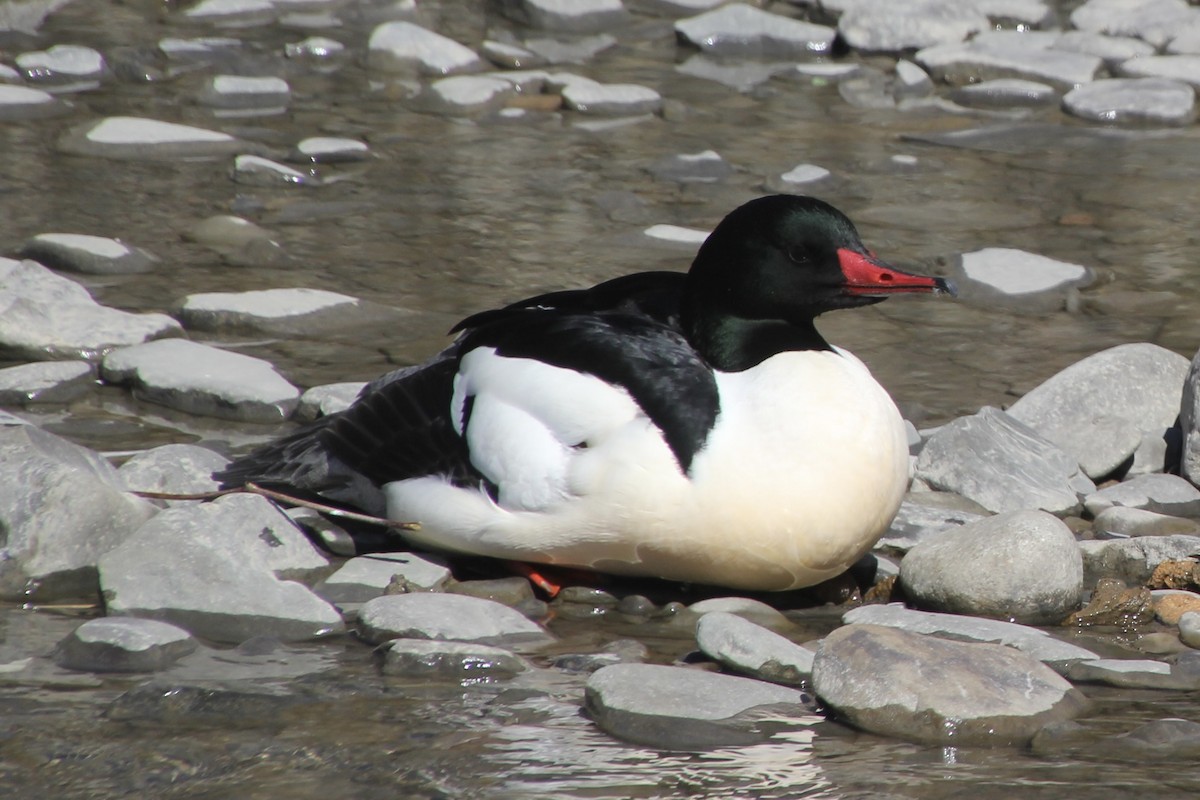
(1161, 494)
(1171, 740)
(367, 577)
(315, 48)
(139, 138)
(173, 469)
(404, 47)
(233, 13)
(123, 644)
(321, 401)
(96, 255)
(468, 94)
(22, 102)
(1099, 408)
(739, 75)
(204, 380)
(745, 607)
(994, 56)
(509, 55)
(703, 167)
(911, 81)
(611, 99)
(1133, 560)
(680, 708)
(197, 51)
(801, 175)
(1022, 566)
(881, 25)
(445, 616)
(741, 30)
(1182, 574)
(1177, 69)
(239, 93)
(331, 150)
(1112, 49)
(1016, 279)
(63, 67)
(574, 51)
(1189, 422)
(184, 706)
(573, 16)
(449, 661)
(1138, 100)
(238, 240)
(266, 310)
(1152, 20)
(46, 382)
(752, 650)
(1126, 673)
(1005, 93)
(928, 689)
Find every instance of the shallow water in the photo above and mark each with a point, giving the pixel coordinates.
(454, 215)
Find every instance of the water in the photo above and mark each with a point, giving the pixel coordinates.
(452, 216)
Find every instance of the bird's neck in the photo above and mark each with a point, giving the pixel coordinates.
(733, 344)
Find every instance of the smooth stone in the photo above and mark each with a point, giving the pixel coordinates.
(745, 607)
(1189, 422)
(316, 48)
(803, 174)
(204, 380)
(611, 98)
(572, 16)
(258, 171)
(1176, 68)
(883, 25)
(265, 310)
(123, 644)
(366, 577)
(403, 47)
(1171, 604)
(911, 81)
(1099, 408)
(236, 239)
(1022, 566)
(469, 94)
(331, 150)
(95, 255)
(994, 56)
(1002, 464)
(63, 67)
(61, 508)
(515, 592)
(229, 707)
(173, 469)
(1162, 494)
(703, 167)
(139, 138)
(752, 650)
(1112, 604)
(1133, 560)
(1120, 522)
(46, 382)
(925, 515)
(1113, 49)
(321, 401)
(574, 51)
(1151, 20)
(1129, 674)
(46, 316)
(1138, 100)
(741, 30)
(200, 50)
(1186, 41)
(235, 564)
(676, 234)
(1005, 93)
(445, 616)
(1157, 452)
(239, 92)
(928, 689)
(678, 8)
(424, 659)
(1018, 280)
(1175, 741)
(687, 709)
(1189, 628)
(19, 103)
(1032, 641)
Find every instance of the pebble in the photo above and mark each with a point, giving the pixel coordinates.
(1022, 566)
(803, 174)
(19, 103)
(1112, 604)
(1099, 408)
(63, 68)
(248, 95)
(123, 644)
(1162, 494)
(445, 616)
(1189, 422)
(1015, 279)
(94, 255)
(46, 316)
(204, 380)
(676, 708)
(912, 686)
(1120, 522)
(992, 56)
(46, 382)
(741, 30)
(367, 577)
(1133, 100)
(883, 25)
(190, 707)
(741, 76)
(1002, 464)
(225, 570)
(173, 469)
(140, 138)
(1133, 560)
(1189, 628)
(402, 47)
(61, 507)
(752, 650)
(422, 659)
(321, 401)
(570, 16)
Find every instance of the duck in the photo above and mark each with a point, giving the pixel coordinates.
(694, 427)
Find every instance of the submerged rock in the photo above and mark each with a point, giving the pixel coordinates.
(96, 255)
(1015, 279)
(445, 616)
(1134, 100)
(46, 382)
(123, 644)
(424, 659)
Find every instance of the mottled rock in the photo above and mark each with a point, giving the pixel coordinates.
(1171, 604)
(425, 660)
(445, 616)
(1112, 604)
(403, 47)
(139, 138)
(46, 382)
(1133, 560)
(1119, 522)
(1162, 494)
(1022, 566)
(1138, 100)
(752, 650)
(97, 255)
(1099, 408)
(366, 577)
(679, 708)
(741, 30)
(123, 644)
(883, 25)
(676, 234)
(1015, 279)
(173, 469)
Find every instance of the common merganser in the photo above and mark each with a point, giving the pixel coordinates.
(694, 427)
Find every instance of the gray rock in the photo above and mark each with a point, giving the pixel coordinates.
(366, 577)
(1015, 279)
(315, 49)
(1005, 93)
(882, 25)
(46, 382)
(1174, 69)
(445, 616)
(679, 708)
(188, 706)
(1162, 494)
(741, 30)
(923, 515)
(259, 95)
(1002, 464)
(515, 592)
(232, 13)
(1155, 21)
(331, 150)
(1157, 452)
(205, 380)
(1172, 740)
(425, 660)
(741, 76)
(1139, 100)
(321, 401)
(1032, 641)
(1112, 49)
(95, 255)
(510, 56)
(173, 469)
(276, 311)
(254, 170)
(576, 50)
(752, 650)
(1133, 560)
(1189, 628)
(611, 99)
(140, 138)
(123, 644)
(22, 102)
(928, 689)
(1186, 40)
(1120, 522)
(1189, 422)
(61, 508)
(63, 67)
(745, 607)
(1128, 673)
(1022, 566)
(1009, 55)
(468, 94)
(572, 16)
(405, 47)
(1099, 408)
(46, 316)
(222, 570)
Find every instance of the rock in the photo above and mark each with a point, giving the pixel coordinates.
(189, 707)
(1133, 100)
(622, 651)
(123, 644)
(314, 48)
(445, 616)
(19, 103)
(514, 592)
(676, 235)
(422, 659)
(276, 311)
(1187, 39)
(509, 55)
(139, 138)
(703, 167)
(927, 689)
(1162, 494)
(46, 316)
(1022, 566)
(575, 51)
(741, 30)
(63, 67)
(46, 382)
(1002, 464)
(241, 94)
(1170, 69)
(1112, 49)
(1129, 674)
(331, 150)
(881, 25)
(1189, 628)
(1182, 574)
(1189, 422)
(468, 94)
(752, 650)
(799, 176)
(230, 574)
(366, 577)
(1121, 522)
(572, 16)
(1008, 55)
(259, 171)
(1032, 641)
(238, 240)
(321, 401)
(1171, 604)
(404, 47)
(61, 508)
(924, 515)
(173, 469)
(1133, 560)
(233, 13)
(611, 99)
(741, 76)
(1157, 452)
(1114, 605)
(686, 709)
(1170, 740)
(1015, 279)
(199, 51)
(1152, 20)
(745, 607)
(1005, 93)
(204, 380)
(96, 255)
(1099, 408)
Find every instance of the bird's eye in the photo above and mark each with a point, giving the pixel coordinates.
(798, 256)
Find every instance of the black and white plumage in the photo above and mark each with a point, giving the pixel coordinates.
(694, 427)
